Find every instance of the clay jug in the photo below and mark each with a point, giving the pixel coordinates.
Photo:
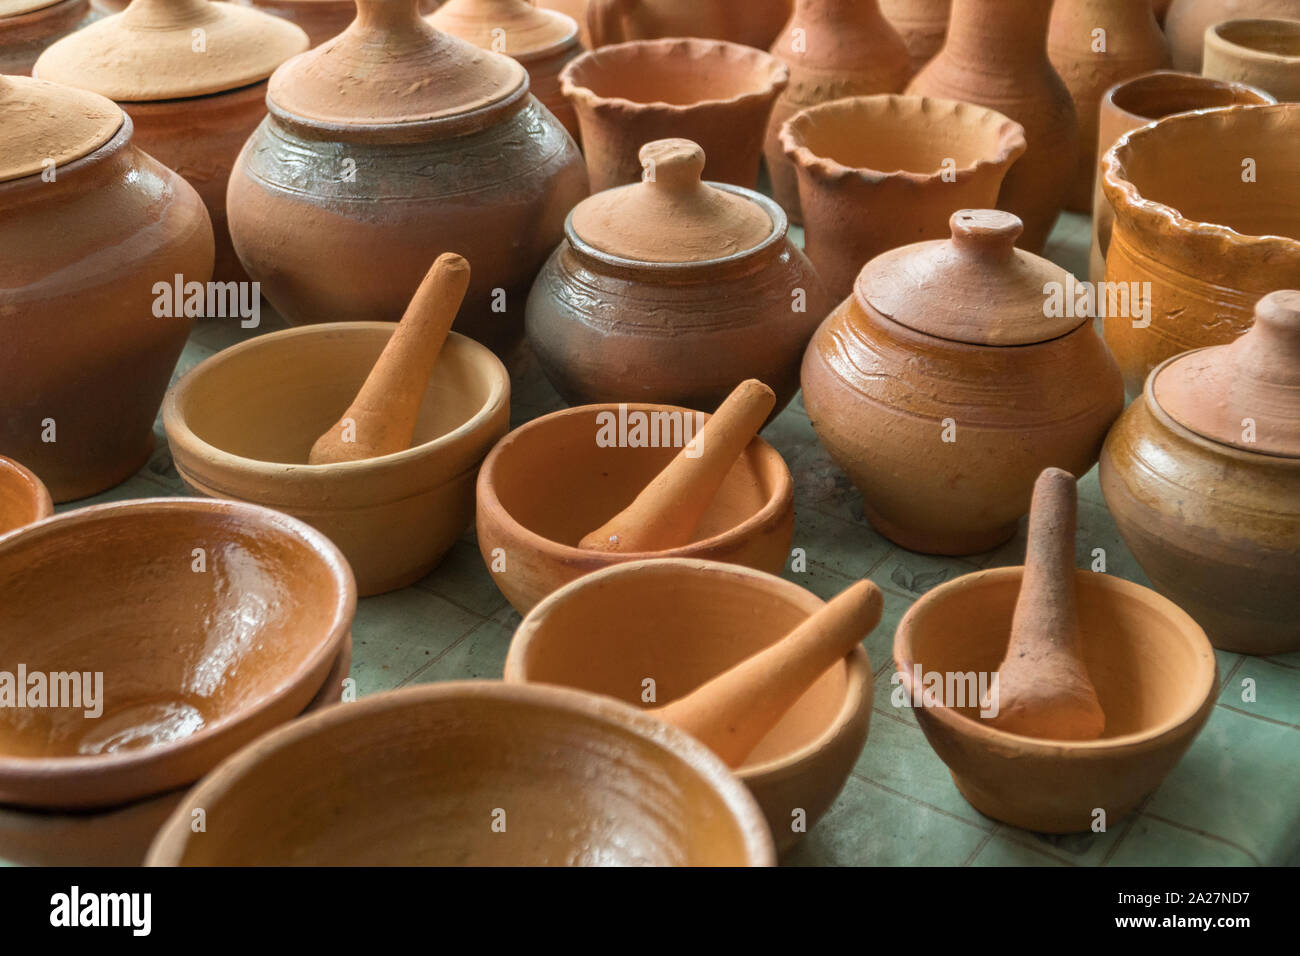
(1187, 21)
(921, 23)
(751, 22)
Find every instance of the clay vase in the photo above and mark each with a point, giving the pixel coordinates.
(1187, 21)
(1262, 53)
(718, 94)
(996, 56)
(834, 49)
(28, 26)
(944, 385)
(922, 24)
(1090, 63)
(542, 40)
(577, 10)
(878, 172)
(1137, 102)
(674, 291)
(753, 23)
(1202, 474)
(339, 203)
(23, 498)
(89, 225)
(1205, 211)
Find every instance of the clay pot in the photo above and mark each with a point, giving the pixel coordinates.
(28, 26)
(717, 94)
(1153, 669)
(878, 172)
(338, 204)
(1187, 21)
(943, 387)
(1137, 102)
(1131, 43)
(241, 425)
(472, 773)
(753, 23)
(1209, 243)
(921, 23)
(89, 223)
(1202, 474)
(995, 55)
(1262, 53)
(23, 498)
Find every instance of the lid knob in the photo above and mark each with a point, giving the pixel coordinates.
(990, 233)
(673, 164)
(387, 14)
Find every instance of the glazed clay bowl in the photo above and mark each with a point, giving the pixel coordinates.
(241, 425)
(210, 621)
(23, 498)
(1153, 669)
(682, 622)
(32, 25)
(548, 483)
(1262, 53)
(471, 773)
(715, 93)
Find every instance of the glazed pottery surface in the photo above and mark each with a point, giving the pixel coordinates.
(1262, 53)
(921, 23)
(23, 498)
(750, 22)
(1187, 21)
(422, 776)
(28, 26)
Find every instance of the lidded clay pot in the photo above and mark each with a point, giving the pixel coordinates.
(943, 387)
(1202, 474)
(28, 26)
(23, 498)
(192, 110)
(753, 23)
(338, 203)
(1187, 21)
(321, 20)
(921, 23)
(1262, 53)
(89, 224)
(1205, 211)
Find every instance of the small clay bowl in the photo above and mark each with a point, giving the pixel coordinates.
(682, 622)
(241, 425)
(33, 26)
(715, 93)
(1262, 53)
(471, 773)
(210, 621)
(1153, 668)
(548, 483)
(23, 497)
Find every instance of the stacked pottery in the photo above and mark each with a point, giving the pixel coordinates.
(321, 20)
(28, 26)
(1188, 20)
(1261, 53)
(748, 22)
(23, 497)
(921, 23)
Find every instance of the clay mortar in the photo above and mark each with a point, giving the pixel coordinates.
(23, 497)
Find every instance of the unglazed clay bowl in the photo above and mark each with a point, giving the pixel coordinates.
(715, 93)
(210, 622)
(679, 623)
(1187, 20)
(548, 483)
(471, 773)
(242, 423)
(1262, 53)
(23, 498)
(1151, 664)
(28, 26)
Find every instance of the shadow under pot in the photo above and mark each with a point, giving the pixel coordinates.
(28, 26)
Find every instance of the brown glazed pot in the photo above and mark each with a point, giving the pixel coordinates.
(472, 773)
(922, 24)
(1153, 669)
(753, 23)
(1262, 53)
(1209, 243)
(1187, 21)
(87, 361)
(878, 172)
(23, 498)
(943, 389)
(996, 56)
(28, 26)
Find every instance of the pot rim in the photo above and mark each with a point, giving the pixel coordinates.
(121, 139)
(38, 495)
(1187, 79)
(1215, 38)
(51, 9)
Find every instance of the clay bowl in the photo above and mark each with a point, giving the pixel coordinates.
(242, 423)
(681, 622)
(23, 497)
(716, 93)
(197, 660)
(35, 25)
(1153, 668)
(548, 483)
(419, 776)
(1262, 53)
(1186, 21)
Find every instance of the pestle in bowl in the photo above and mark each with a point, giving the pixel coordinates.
(384, 413)
(735, 710)
(667, 511)
(1043, 688)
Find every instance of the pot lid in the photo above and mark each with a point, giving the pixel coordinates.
(390, 66)
(171, 49)
(1245, 394)
(45, 121)
(16, 8)
(671, 215)
(976, 287)
(513, 27)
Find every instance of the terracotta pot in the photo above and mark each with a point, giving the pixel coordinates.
(23, 498)
(878, 172)
(1209, 243)
(1130, 43)
(718, 94)
(1153, 669)
(321, 20)
(438, 147)
(87, 238)
(996, 56)
(1187, 21)
(242, 423)
(28, 26)
(472, 773)
(1137, 102)
(943, 387)
(1263, 53)
(577, 9)
(922, 24)
(750, 22)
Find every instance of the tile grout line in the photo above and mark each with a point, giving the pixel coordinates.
(911, 799)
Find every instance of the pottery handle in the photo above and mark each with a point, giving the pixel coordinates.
(605, 21)
(673, 164)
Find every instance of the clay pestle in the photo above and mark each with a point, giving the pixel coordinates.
(735, 710)
(381, 419)
(667, 511)
(1043, 688)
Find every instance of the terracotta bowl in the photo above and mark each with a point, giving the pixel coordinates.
(1186, 21)
(197, 658)
(242, 423)
(548, 483)
(1153, 668)
(681, 623)
(23, 36)
(1262, 53)
(23, 497)
(471, 773)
